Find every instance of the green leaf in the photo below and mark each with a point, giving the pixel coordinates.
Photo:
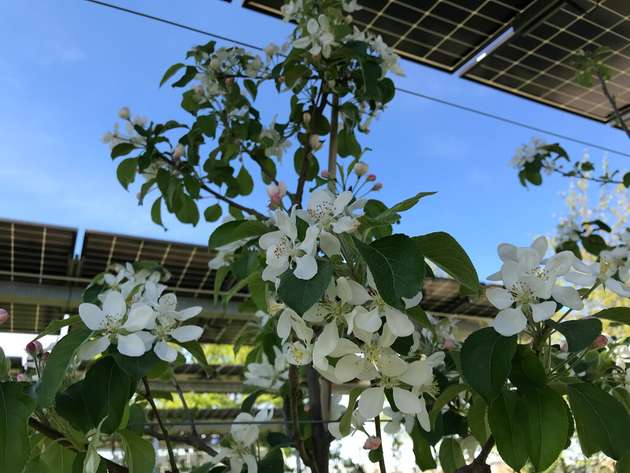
(546, 425)
(615, 314)
(196, 350)
(478, 419)
(15, 409)
(602, 422)
(580, 334)
(55, 326)
(191, 72)
(626, 180)
(188, 211)
(487, 361)
(245, 182)
(250, 400)
(139, 454)
(422, 449)
(106, 390)
(527, 369)
(208, 125)
(170, 72)
(407, 204)
(137, 366)
(300, 294)
(346, 419)
(236, 230)
(126, 171)
(212, 213)
(273, 462)
(156, 211)
(279, 439)
(506, 424)
(623, 465)
(443, 250)
(451, 455)
(58, 459)
(347, 144)
(122, 149)
(54, 371)
(445, 397)
(396, 265)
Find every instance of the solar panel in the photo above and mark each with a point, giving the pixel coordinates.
(37, 253)
(537, 63)
(443, 34)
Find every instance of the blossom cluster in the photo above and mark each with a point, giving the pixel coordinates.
(134, 313)
(116, 136)
(527, 153)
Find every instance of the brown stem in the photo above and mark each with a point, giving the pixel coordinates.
(232, 203)
(192, 440)
(479, 464)
(381, 461)
(59, 438)
(580, 175)
(169, 447)
(332, 146)
(320, 437)
(191, 418)
(613, 103)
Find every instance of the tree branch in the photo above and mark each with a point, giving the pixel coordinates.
(192, 440)
(479, 464)
(294, 392)
(59, 438)
(232, 203)
(377, 426)
(191, 418)
(169, 447)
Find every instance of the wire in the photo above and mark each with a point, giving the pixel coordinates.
(399, 89)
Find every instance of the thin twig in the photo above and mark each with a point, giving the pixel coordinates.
(294, 393)
(192, 440)
(613, 103)
(191, 418)
(377, 427)
(169, 447)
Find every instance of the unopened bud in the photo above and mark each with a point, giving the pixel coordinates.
(371, 177)
(449, 344)
(228, 81)
(315, 142)
(4, 316)
(348, 19)
(377, 187)
(276, 192)
(372, 443)
(34, 348)
(600, 342)
(360, 169)
(306, 118)
(124, 113)
(324, 174)
(179, 151)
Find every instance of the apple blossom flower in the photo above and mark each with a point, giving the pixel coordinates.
(319, 37)
(360, 168)
(124, 113)
(267, 375)
(253, 67)
(179, 151)
(113, 323)
(315, 142)
(350, 6)
(271, 50)
(604, 272)
(278, 144)
(298, 353)
(284, 251)
(527, 153)
(290, 321)
(276, 193)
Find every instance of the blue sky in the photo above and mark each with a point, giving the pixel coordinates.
(67, 66)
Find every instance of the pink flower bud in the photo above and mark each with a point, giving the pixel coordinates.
(124, 113)
(371, 177)
(276, 192)
(21, 378)
(449, 344)
(372, 443)
(377, 187)
(600, 342)
(4, 315)
(360, 169)
(324, 174)
(179, 151)
(34, 348)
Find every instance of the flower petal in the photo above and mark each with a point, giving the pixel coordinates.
(342, 201)
(165, 352)
(398, 322)
(189, 313)
(418, 373)
(368, 321)
(269, 239)
(130, 345)
(371, 402)
(327, 340)
(305, 267)
(348, 367)
(140, 316)
(187, 333)
(423, 416)
(499, 297)
(114, 304)
(509, 322)
(406, 401)
(329, 243)
(351, 292)
(543, 310)
(568, 297)
(92, 316)
(89, 350)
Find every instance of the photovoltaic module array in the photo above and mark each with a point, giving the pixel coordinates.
(535, 59)
(443, 34)
(538, 63)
